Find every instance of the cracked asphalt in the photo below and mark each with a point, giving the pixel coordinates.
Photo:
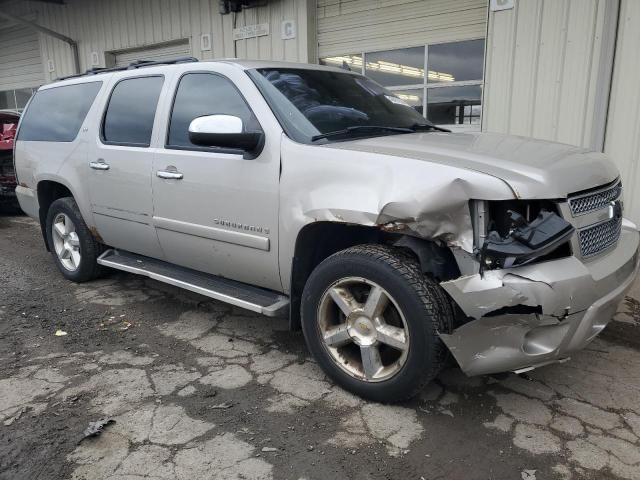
(201, 390)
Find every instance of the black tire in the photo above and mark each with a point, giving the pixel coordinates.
(90, 248)
(423, 304)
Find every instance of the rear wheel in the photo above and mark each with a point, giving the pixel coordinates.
(73, 247)
(370, 318)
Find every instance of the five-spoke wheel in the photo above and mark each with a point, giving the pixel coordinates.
(363, 329)
(66, 243)
(371, 318)
(74, 248)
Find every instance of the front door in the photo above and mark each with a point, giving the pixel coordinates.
(120, 167)
(215, 211)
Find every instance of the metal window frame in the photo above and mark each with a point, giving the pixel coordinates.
(463, 83)
(425, 85)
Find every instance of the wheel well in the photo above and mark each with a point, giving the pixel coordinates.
(49, 192)
(320, 240)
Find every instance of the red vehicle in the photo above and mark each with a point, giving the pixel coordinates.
(8, 126)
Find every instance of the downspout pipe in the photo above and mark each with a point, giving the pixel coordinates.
(52, 33)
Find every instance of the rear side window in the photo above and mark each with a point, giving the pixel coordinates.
(56, 114)
(202, 94)
(131, 111)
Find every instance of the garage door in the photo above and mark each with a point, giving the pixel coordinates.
(20, 62)
(350, 26)
(157, 53)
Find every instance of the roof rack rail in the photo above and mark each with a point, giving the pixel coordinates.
(148, 63)
(133, 65)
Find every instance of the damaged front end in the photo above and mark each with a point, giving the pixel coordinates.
(534, 298)
(524, 241)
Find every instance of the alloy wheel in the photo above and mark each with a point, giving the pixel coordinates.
(66, 242)
(363, 329)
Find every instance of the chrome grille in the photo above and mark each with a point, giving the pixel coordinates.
(598, 238)
(589, 202)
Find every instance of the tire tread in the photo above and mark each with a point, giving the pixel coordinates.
(92, 249)
(429, 293)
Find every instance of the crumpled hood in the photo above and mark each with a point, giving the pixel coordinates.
(532, 168)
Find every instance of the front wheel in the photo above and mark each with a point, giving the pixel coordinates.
(74, 249)
(371, 320)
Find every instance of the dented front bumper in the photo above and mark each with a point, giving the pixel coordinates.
(575, 299)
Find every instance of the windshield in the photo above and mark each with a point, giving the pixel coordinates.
(310, 103)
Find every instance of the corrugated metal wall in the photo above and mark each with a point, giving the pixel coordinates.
(548, 70)
(622, 142)
(116, 25)
(350, 26)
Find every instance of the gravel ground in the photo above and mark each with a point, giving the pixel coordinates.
(201, 390)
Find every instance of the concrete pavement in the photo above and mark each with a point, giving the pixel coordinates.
(201, 390)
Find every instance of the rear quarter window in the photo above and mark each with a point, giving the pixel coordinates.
(56, 114)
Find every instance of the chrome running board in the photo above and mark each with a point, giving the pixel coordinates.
(241, 295)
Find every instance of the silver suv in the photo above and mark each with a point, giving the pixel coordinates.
(286, 187)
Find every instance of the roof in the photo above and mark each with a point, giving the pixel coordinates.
(252, 64)
(96, 73)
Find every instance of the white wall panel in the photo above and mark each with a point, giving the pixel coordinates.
(351, 26)
(107, 26)
(622, 142)
(548, 70)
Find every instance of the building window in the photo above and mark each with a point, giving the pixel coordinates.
(441, 81)
(456, 105)
(396, 68)
(15, 99)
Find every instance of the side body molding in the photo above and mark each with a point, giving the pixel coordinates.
(213, 233)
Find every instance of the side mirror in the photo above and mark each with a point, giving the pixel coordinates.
(225, 131)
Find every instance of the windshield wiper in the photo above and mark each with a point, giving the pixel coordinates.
(427, 126)
(356, 128)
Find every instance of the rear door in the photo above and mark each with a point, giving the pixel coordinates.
(120, 166)
(219, 214)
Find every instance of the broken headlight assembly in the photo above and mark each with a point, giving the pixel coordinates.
(516, 232)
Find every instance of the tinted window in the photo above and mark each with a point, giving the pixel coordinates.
(56, 114)
(131, 110)
(327, 101)
(202, 94)
(352, 63)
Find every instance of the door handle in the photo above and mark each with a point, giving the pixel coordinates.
(99, 165)
(169, 175)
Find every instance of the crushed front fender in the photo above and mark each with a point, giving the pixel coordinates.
(573, 302)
